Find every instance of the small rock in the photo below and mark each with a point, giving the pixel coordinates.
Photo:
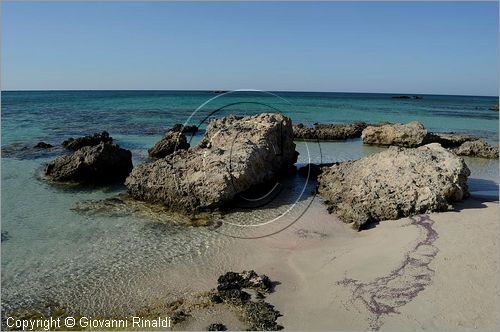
(216, 327)
(103, 163)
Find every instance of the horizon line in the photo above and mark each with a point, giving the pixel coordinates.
(250, 90)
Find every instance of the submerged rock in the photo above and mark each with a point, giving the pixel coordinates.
(90, 140)
(43, 145)
(393, 184)
(477, 148)
(409, 135)
(235, 154)
(103, 163)
(329, 131)
(171, 142)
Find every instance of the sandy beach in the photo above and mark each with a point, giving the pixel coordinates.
(437, 271)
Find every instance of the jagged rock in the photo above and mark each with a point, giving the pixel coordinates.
(235, 154)
(449, 140)
(246, 279)
(172, 141)
(393, 184)
(477, 148)
(103, 163)
(412, 134)
(329, 131)
(43, 145)
(261, 316)
(184, 129)
(90, 140)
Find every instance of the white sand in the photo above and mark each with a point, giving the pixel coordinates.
(437, 274)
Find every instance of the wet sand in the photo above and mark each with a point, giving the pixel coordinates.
(437, 271)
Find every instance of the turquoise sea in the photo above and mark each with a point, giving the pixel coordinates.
(105, 264)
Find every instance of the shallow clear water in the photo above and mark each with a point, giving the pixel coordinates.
(105, 264)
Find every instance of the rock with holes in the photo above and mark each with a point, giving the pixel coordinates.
(412, 134)
(394, 183)
(235, 154)
(102, 163)
(477, 148)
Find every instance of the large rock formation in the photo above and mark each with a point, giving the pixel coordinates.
(234, 154)
(102, 163)
(172, 141)
(394, 183)
(476, 148)
(329, 131)
(90, 140)
(409, 135)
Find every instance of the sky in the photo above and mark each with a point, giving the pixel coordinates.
(393, 47)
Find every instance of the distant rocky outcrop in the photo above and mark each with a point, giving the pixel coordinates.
(329, 131)
(90, 140)
(172, 141)
(409, 135)
(235, 154)
(477, 148)
(407, 97)
(102, 163)
(393, 184)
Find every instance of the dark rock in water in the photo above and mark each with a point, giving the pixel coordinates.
(184, 129)
(477, 148)
(393, 184)
(91, 140)
(329, 131)
(102, 163)
(171, 142)
(5, 236)
(235, 154)
(21, 150)
(216, 327)
(261, 316)
(401, 97)
(494, 108)
(43, 145)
